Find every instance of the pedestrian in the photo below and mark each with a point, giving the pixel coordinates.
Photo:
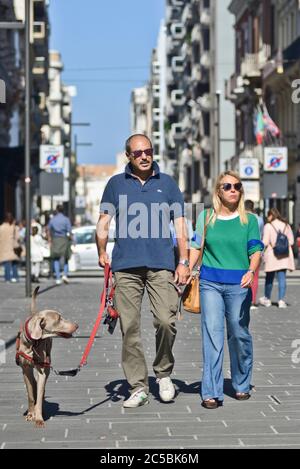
(298, 246)
(231, 255)
(249, 207)
(36, 248)
(10, 248)
(144, 201)
(275, 264)
(59, 236)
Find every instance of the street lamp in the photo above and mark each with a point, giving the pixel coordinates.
(81, 144)
(218, 125)
(71, 168)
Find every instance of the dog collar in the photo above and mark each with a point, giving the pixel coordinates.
(27, 333)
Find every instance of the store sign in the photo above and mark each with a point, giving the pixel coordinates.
(51, 157)
(276, 159)
(252, 190)
(249, 168)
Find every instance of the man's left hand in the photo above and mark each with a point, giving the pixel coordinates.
(182, 274)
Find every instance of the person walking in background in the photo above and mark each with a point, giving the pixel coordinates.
(36, 248)
(249, 207)
(10, 248)
(59, 236)
(298, 246)
(276, 264)
(231, 255)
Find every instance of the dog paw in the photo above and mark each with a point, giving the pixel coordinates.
(39, 424)
(29, 417)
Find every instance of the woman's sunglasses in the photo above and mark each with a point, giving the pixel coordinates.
(138, 153)
(227, 186)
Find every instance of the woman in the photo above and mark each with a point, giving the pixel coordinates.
(232, 251)
(9, 239)
(274, 264)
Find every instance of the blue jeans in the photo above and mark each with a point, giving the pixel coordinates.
(56, 266)
(231, 302)
(281, 277)
(10, 270)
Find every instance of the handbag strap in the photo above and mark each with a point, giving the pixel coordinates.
(207, 219)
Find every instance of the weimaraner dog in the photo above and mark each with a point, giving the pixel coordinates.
(34, 345)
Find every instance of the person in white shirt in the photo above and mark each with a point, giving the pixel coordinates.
(36, 247)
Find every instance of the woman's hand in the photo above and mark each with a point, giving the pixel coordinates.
(247, 280)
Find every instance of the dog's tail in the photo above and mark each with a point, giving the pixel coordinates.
(33, 301)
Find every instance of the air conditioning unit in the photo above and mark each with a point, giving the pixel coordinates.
(39, 30)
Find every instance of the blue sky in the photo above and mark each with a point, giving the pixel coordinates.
(115, 34)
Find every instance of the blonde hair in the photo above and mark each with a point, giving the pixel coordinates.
(217, 201)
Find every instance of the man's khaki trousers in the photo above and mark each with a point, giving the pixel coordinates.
(130, 287)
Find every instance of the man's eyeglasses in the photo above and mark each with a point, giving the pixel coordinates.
(138, 153)
(227, 186)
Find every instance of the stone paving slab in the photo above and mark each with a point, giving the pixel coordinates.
(86, 411)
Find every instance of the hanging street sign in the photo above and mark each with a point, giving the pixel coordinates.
(276, 159)
(249, 168)
(51, 157)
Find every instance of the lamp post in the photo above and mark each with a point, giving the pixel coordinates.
(81, 144)
(218, 125)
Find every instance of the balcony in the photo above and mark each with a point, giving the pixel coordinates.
(178, 30)
(196, 72)
(177, 98)
(206, 144)
(169, 77)
(39, 66)
(155, 68)
(186, 50)
(187, 14)
(205, 102)
(196, 34)
(156, 91)
(205, 18)
(177, 131)
(252, 64)
(156, 114)
(177, 64)
(173, 14)
(39, 30)
(156, 138)
(206, 60)
(234, 86)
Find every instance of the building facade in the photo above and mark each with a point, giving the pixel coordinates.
(267, 60)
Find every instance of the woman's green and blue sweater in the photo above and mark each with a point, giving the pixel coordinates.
(228, 247)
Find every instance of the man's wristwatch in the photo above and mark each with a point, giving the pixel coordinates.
(184, 262)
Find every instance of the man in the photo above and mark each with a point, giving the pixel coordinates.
(59, 237)
(144, 201)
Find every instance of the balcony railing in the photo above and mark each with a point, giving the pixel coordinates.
(205, 18)
(252, 64)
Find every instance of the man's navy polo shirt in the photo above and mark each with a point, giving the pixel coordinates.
(143, 218)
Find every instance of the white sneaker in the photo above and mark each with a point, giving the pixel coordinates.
(65, 279)
(58, 282)
(253, 307)
(265, 302)
(166, 389)
(13, 280)
(282, 304)
(136, 399)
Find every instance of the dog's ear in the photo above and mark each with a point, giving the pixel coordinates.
(36, 328)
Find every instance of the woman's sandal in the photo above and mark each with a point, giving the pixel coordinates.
(210, 404)
(242, 396)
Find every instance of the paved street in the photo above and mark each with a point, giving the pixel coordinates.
(86, 411)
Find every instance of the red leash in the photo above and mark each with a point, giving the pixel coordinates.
(104, 296)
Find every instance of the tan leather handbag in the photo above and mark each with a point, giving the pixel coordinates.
(191, 295)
